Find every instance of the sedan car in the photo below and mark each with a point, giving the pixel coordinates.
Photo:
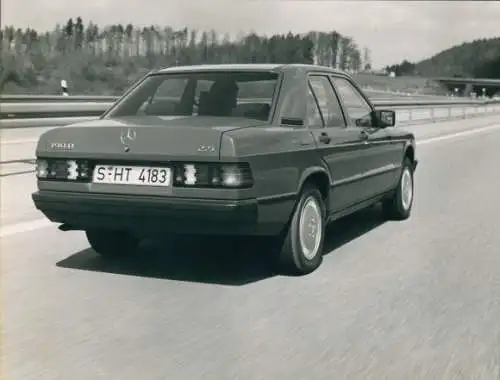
(259, 150)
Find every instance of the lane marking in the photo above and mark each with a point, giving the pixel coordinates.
(20, 172)
(14, 229)
(27, 161)
(25, 227)
(14, 142)
(450, 136)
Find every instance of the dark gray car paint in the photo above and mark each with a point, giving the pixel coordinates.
(382, 155)
(281, 157)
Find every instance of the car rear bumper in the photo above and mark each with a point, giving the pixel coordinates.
(152, 215)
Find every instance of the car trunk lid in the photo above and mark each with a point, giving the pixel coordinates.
(141, 138)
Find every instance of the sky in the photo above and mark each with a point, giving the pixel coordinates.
(392, 30)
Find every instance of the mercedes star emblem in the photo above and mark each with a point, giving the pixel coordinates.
(127, 136)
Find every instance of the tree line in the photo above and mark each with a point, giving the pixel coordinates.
(479, 58)
(402, 69)
(106, 59)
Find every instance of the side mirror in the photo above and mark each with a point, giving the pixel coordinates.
(385, 118)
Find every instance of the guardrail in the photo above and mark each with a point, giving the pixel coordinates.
(56, 98)
(27, 111)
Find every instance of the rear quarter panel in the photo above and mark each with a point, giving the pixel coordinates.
(406, 138)
(278, 157)
(400, 132)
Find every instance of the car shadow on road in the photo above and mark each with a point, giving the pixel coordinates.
(198, 260)
(351, 227)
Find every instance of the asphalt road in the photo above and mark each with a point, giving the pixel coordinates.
(418, 299)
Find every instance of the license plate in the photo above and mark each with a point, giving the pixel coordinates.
(132, 175)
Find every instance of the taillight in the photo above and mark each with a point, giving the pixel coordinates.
(214, 175)
(208, 175)
(65, 170)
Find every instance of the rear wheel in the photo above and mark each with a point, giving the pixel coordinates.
(112, 244)
(399, 206)
(302, 250)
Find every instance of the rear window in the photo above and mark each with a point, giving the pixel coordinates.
(247, 94)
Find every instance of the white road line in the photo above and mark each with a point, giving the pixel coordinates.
(20, 141)
(450, 136)
(25, 227)
(43, 223)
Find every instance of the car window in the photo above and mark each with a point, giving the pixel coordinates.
(201, 90)
(313, 115)
(357, 108)
(247, 94)
(327, 101)
(294, 102)
(203, 85)
(171, 88)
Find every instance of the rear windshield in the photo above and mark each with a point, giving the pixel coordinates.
(247, 94)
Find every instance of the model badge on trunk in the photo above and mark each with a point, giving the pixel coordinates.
(206, 148)
(62, 146)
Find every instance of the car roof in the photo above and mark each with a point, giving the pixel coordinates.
(279, 67)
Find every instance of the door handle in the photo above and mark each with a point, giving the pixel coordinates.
(324, 138)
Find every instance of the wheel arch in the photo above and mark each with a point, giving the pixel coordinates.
(410, 153)
(317, 176)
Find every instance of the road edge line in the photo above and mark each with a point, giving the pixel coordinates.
(450, 136)
(16, 228)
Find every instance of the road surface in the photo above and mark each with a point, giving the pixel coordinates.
(418, 299)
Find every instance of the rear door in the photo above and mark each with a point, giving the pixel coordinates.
(383, 155)
(340, 145)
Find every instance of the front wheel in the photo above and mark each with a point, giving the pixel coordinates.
(399, 206)
(112, 244)
(302, 250)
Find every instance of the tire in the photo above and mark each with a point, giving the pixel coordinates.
(294, 257)
(399, 206)
(112, 244)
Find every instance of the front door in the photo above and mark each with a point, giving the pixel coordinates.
(341, 146)
(383, 157)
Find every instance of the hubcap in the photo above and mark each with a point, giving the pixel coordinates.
(406, 189)
(310, 228)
